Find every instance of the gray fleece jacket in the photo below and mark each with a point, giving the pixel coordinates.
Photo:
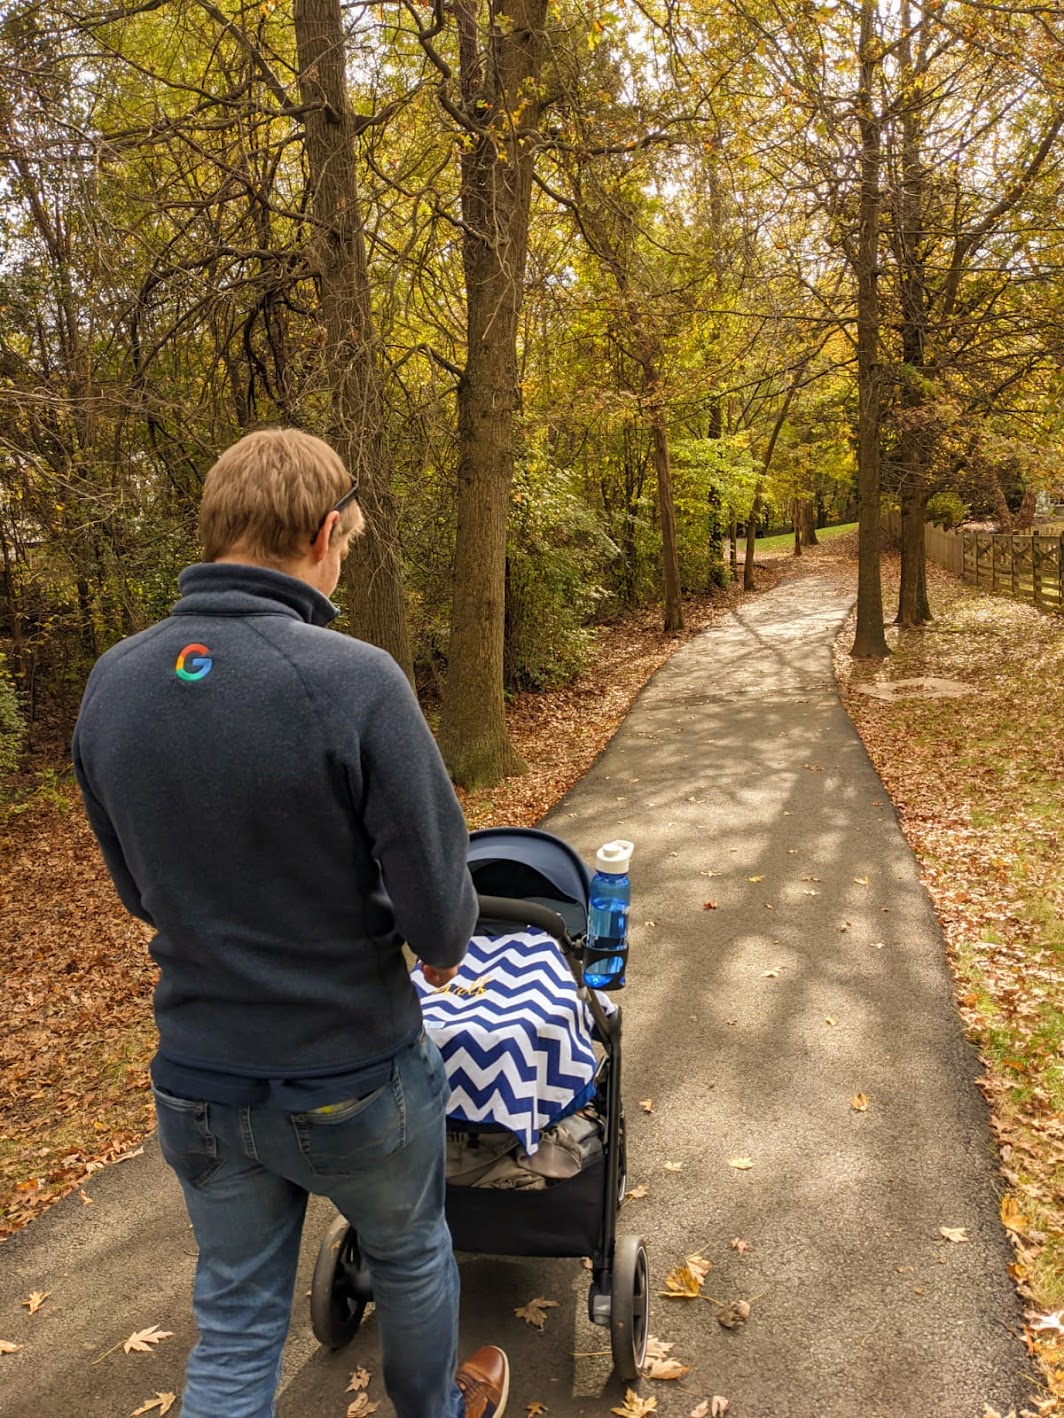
(268, 797)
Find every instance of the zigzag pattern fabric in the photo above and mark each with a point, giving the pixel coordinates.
(514, 1034)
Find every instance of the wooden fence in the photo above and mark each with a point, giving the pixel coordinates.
(1030, 567)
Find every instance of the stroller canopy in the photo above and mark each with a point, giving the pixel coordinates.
(525, 863)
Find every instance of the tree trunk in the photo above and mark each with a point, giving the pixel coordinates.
(751, 537)
(796, 524)
(1001, 507)
(659, 444)
(12, 592)
(915, 445)
(1024, 519)
(373, 574)
(498, 90)
(869, 640)
(715, 539)
(913, 608)
(807, 520)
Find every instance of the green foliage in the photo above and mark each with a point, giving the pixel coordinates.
(713, 484)
(12, 723)
(556, 556)
(947, 510)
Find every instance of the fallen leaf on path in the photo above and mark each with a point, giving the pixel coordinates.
(647, 1104)
(535, 1409)
(830, 1021)
(681, 1283)
(659, 1348)
(634, 1406)
(674, 1166)
(741, 1164)
(361, 1407)
(738, 1244)
(35, 1300)
(861, 880)
(719, 1406)
(143, 1339)
(1012, 1218)
(6, 1347)
(735, 1314)
(1049, 1324)
(814, 767)
(86, 1200)
(772, 974)
(636, 1193)
(701, 1409)
(954, 1233)
(535, 1312)
(859, 1102)
(709, 905)
(665, 1369)
(359, 1380)
(755, 878)
(699, 1266)
(162, 1401)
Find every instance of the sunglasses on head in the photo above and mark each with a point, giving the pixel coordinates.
(349, 496)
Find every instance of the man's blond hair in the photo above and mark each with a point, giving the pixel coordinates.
(267, 496)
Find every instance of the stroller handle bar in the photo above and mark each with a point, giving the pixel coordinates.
(526, 913)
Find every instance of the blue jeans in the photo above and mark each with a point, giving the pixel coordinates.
(246, 1173)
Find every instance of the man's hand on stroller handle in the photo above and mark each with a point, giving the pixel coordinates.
(437, 977)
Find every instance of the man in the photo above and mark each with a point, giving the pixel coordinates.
(268, 797)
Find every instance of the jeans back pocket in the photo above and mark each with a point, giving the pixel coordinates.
(352, 1136)
(185, 1137)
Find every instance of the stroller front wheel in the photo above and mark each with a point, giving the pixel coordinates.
(629, 1307)
(340, 1289)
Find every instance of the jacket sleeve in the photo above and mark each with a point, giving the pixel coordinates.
(110, 847)
(416, 825)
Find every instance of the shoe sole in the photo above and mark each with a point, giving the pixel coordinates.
(505, 1390)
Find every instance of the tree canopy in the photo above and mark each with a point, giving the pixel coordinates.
(576, 290)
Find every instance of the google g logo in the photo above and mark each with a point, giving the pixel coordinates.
(198, 660)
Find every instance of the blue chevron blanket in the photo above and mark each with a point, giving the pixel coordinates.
(513, 1032)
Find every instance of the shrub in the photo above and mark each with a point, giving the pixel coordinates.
(946, 510)
(556, 553)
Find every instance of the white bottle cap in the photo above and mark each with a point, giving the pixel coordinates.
(614, 857)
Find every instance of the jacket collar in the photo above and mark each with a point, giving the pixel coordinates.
(228, 588)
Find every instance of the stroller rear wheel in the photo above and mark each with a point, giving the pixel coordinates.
(341, 1287)
(629, 1306)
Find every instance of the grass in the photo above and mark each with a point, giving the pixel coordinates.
(977, 782)
(785, 540)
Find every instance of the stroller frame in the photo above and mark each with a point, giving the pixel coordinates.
(573, 1218)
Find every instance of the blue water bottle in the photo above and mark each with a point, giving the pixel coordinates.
(606, 950)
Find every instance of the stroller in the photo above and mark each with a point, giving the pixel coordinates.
(531, 881)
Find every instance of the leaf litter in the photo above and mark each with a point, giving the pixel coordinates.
(975, 782)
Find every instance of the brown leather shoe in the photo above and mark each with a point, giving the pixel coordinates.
(484, 1379)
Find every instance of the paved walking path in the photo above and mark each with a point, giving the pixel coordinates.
(819, 975)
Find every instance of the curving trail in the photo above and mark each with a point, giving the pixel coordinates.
(741, 780)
